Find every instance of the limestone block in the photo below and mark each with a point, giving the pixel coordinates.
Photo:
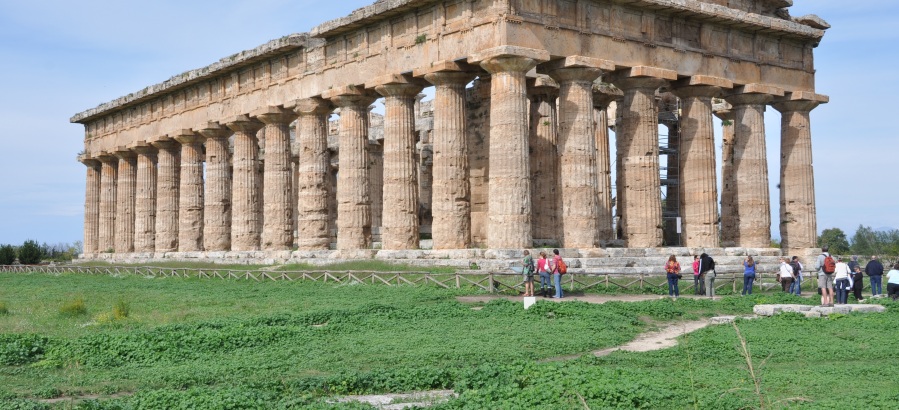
(812, 314)
(764, 310)
(868, 308)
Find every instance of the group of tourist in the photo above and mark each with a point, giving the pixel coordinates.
(834, 274)
(703, 275)
(546, 268)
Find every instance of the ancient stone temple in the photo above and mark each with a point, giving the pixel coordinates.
(275, 149)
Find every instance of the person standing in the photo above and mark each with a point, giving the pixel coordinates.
(893, 282)
(707, 271)
(874, 270)
(557, 273)
(672, 271)
(842, 281)
(528, 273)
(698, 284)
(748, 275)
(857, 283)
(825, 266)
(785, 275)
(544, 271)
(796, 287)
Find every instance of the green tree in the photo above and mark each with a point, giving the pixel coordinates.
(7, 255)
(865, 242)
(835, 239)
(30, 253)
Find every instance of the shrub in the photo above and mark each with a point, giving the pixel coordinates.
(30, 253)
(3, 309)
(7, 255)
(121, 309)
(73, 308)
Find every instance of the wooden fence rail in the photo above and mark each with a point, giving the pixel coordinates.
(486, 281)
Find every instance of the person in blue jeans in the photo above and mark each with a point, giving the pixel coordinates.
(543, 268)
(672, 272)
(874, 271)
(796, 286)
(748, 275)
(557, 276)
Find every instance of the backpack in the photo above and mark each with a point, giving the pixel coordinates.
(563, 268)
(830, 265)
(529, 267)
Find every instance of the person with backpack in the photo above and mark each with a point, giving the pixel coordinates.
(707, 270)
(672, 272)
(874, 270)
(785, 275)
(842, 281)
(748, 275)
(825, 265)
(544, 271)
(796, 287)
(698, 284)
(528, 273)
(559, 268)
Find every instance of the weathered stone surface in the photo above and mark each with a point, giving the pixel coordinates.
(168, 178)
(145, 199)
(544, 164)
(603, 95)
(190, 200)
(91, 205)
(313, 174)
(277, 213)
(107, 201)
(125, 187)
(246, 218)
(729, 222)
(217, 198)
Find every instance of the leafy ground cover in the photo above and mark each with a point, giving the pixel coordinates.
(188, 343)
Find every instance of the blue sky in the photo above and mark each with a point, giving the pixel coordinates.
(62, 57)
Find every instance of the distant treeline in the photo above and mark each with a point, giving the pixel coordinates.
(32, 253)
(865, 242)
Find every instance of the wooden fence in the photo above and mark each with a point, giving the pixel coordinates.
(486, 281)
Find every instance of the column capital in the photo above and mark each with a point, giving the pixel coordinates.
(604, 94)
(803, 101)
(543, 86)
(107, 157)
(88, 161)
(165, 143)
(213, 130)
(698, 91)
(350, 96)
(439, 78)
(509, 58)
(396, 85)
(243, 123)
(125, 153)
(724, 114)
(143, 148)
(186, 136)
(446, 66)
(310, 106)
(274, 115)
(642, 77)
(753, 94)
(576, 68)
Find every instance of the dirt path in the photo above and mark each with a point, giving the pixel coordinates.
(659, 339)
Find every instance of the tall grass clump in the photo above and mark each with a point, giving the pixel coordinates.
(3, 309)
(73, 308)
(121, 309)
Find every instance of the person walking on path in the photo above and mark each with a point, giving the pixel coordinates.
(823, 264)
(557, 274)
(698, 284)
(874, 270)
(785, 275)
(707, 271)
(544, 271)
(748, 275)
(842, 281)
(796, 287)
(528, 273)
(893, 282)
(672, 270)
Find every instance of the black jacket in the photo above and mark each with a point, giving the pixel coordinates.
(874, 268)
(706, 263)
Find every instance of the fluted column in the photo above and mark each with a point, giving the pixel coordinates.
(313, 180)
(544, 164)
(451, 204)
(91, 205)
(145, 199)
(108, 177)
(277, 215)
(577, 147)
(637, 139)
(168, 177)
(190, 200)
(750, 164)
(353, 199)
(798, 222)
(603, 95)
(125, 186)
(245, 215)
(509, 203)
(729, 223)
(698, 179)
(399, 222)
(217, 198)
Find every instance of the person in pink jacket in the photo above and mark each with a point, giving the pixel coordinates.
(698, 284)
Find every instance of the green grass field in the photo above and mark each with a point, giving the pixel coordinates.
(220, 344)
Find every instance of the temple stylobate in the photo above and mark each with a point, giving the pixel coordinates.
(513, 152)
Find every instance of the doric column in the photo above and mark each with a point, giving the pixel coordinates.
(108, 170)
(217, 198)
(729, 223)
(145, 198)
(798, 224)
(168, 177)
(451, 195)
(190, 200)
(246, 220)
(353, 199)
(399, 222)
(544, 164)
(577, 147)
(313, 180)
(277, 216)
(509, 203)
(91, 205)
(750, 164)
(125, 185)
(698, 181)
(637, 139)
(603, 95)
